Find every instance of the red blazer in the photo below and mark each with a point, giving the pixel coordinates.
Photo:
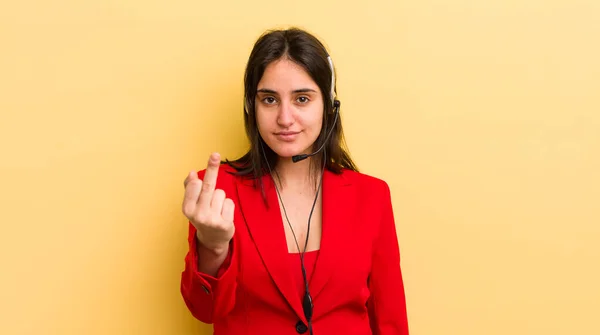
(357, 286)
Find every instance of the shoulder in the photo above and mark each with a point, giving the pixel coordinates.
(366, 182)
(372, 194)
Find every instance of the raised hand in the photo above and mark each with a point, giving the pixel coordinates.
(208, 209)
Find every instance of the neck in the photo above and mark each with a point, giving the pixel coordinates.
(297, 175)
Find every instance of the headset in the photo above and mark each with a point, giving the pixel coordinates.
(307, 303)
(336, 111)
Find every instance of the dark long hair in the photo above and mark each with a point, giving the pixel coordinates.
(308, 52)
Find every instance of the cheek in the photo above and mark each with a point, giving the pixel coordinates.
(262, 123)
(314, 123)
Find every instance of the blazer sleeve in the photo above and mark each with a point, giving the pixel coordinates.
(209, 298)
(387, 303)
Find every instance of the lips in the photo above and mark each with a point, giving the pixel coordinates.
(287, 136)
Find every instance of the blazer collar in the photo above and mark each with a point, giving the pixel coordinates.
(265, 226)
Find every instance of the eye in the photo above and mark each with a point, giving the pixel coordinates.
(269, 100)
(303, 99)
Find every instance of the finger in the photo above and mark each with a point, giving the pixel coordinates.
(216, 204)
(191, 176)
(209, 181)
(228, 209)
(190, 197)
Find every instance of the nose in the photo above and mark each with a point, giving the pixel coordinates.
(285, 117)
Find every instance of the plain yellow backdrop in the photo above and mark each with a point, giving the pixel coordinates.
(483, 116)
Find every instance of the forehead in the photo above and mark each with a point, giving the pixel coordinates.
(284, 75)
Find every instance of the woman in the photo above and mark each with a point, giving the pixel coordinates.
(291, 238)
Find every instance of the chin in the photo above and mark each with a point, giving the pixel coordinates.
(287, 150)
(286, 153)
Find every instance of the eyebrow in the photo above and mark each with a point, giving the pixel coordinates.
(301, 90)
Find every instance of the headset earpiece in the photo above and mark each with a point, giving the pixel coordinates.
(332, 93)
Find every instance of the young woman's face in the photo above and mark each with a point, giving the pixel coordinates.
(289, 109)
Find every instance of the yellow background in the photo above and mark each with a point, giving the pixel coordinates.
(483, 116)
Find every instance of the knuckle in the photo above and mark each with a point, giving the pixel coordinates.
(201, 218)
(188, 207)
(219, 192)
(216, 220)
(186, 210)
(194, 183)
(207, 186)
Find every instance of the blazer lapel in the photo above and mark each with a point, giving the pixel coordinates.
(266, 230)
(337, 221)
(265, 226)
